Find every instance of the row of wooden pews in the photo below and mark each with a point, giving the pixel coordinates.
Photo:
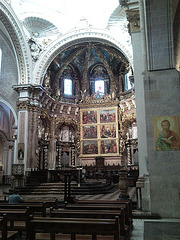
(87, 218)
(93, 218)
(74, 226)
(15, 218)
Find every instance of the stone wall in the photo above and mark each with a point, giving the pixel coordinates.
(162, 98)
(9, 73)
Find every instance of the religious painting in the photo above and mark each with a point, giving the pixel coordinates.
(108, 131)
(166, 133)
(89, 117)
(99, 131)
(108, 146)
(89, 132)
(90, 147)
(108, 116)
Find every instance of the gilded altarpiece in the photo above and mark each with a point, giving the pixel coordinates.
(99, 132)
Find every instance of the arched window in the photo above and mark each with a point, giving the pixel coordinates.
(99, 80)
(99, 87)
(68, 86)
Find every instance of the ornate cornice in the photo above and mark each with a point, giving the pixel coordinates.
(92, 103)
(23, 105)
(68, 121)
(15, 31)
(27, 105)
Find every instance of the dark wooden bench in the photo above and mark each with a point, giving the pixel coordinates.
(74, 226)
(34, 208)
(47, 203)
(104, 201)
(96, 214)
(17, 219)
(105, 207)
(6, 234)
(128, 202)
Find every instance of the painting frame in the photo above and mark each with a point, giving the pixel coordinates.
(111, 147)
(90, 147)
(166, 133)
(111, 114)
(89, 132)
(89, 116)
(108, 130)
(108, 115)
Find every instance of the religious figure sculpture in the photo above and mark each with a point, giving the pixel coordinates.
(35, 48)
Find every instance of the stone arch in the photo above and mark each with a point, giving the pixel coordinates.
(8, 143)
(70, 39)
(11, 108)
(4, 148)
(70, 122)
(18, 39)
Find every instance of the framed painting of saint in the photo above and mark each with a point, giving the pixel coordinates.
(108, 116)
(166, 133)
(90, 147)
(89, 117)
(108, 131)
(89, 132)
(108, 146)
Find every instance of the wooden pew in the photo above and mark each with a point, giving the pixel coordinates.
(48, 203)
(96, 214)
(34, 208)
(120, 207)
(73, 226)
(5, 234)
(17, 220)
(104, 201)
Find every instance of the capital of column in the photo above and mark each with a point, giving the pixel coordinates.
(134, 20)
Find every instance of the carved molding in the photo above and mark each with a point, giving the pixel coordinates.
(67, 121)
(73, 123)
(104, 101)
(19, 42)
(134, 20)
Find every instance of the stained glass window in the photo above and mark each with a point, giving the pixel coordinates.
(99, 87)
(67, 86)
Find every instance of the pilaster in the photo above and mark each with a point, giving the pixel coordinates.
(136, 17)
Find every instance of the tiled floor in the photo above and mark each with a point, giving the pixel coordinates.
(156, 229)
(138, 229)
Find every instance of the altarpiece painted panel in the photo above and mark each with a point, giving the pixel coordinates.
(99, 132)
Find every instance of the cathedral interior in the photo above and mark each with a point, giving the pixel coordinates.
(92, 88)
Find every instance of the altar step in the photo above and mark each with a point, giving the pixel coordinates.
(76, 189)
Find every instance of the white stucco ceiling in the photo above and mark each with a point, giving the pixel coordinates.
(44, 18)
(67, 14)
